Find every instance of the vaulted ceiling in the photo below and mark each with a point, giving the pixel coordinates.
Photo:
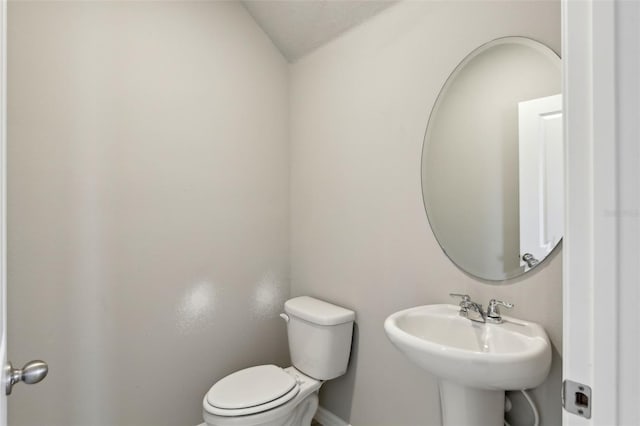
(297, 27)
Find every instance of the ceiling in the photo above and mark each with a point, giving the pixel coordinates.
(297, 27)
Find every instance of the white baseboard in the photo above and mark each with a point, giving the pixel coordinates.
(327, 418)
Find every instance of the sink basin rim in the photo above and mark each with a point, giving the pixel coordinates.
(537, 344)
(522, 368)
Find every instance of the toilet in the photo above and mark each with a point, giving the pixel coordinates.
(267, 395)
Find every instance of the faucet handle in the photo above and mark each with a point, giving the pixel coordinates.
(464, 297)
(496, 303)
(493, 310)
(465, 303)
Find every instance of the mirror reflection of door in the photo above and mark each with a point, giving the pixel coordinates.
(541, 180)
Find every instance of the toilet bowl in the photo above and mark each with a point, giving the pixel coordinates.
(319, 336)
(294, 407)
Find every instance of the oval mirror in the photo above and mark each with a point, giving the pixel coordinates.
(492, 160)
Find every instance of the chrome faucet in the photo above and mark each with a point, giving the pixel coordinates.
(470, 309)
(473, 311)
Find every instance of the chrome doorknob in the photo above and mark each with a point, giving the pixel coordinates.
(530, 260)
(32, 372)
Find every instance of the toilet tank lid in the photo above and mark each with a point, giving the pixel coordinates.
(317, 311)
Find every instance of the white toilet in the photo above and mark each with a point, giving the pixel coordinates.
(267, 395)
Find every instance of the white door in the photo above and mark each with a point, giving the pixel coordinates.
(541, 174)
(601, 258)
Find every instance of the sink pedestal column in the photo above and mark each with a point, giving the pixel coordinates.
(462, 405)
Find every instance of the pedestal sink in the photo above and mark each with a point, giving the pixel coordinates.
(474, 362)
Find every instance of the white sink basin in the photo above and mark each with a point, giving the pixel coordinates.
(509, 356)
(470, 357)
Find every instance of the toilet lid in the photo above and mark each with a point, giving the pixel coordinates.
(251, 387)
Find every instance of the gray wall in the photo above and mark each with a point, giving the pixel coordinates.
(148, 206)
(360, 236)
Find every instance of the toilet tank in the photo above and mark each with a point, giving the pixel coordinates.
(319, 336)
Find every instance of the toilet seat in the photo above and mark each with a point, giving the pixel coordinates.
(251, 391)
(305, 401)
